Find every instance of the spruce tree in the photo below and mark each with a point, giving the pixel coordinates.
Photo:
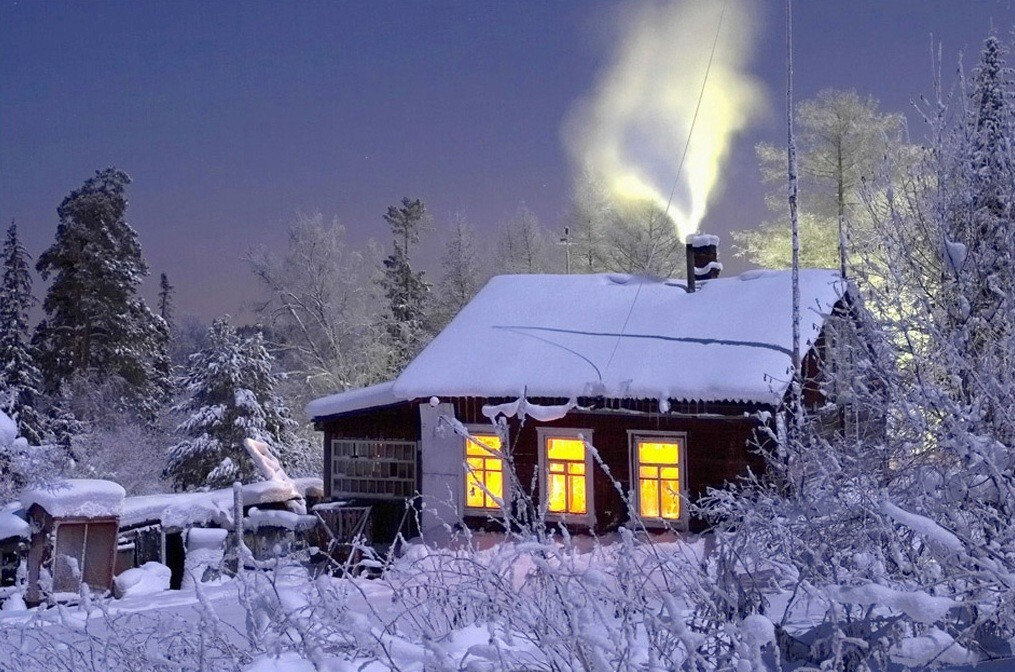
(165, 299)
(96, 325)
(230, 396)
(406, 290)
(20, 378)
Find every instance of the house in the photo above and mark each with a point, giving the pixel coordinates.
(668, 380)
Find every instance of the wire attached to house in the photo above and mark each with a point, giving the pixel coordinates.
(676, 179)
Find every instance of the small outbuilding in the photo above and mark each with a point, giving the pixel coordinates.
(74, 525)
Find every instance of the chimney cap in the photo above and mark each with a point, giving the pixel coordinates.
(703, 240)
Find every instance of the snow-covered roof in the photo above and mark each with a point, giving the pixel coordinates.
(353, 400)
(13, 526)
(79, 497)
(617, 336)
(214, 507)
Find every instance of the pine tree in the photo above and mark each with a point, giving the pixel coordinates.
(406, 290)
(20, 378)
(96, 325)
(462, 276)
(166, 300)
(230, 397)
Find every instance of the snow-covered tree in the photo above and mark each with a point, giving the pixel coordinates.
(463, 275)
(20, 378)
(590, 216)
(900, 524)
(96, 324)
(322, 309)
(643, 240)
(407, 291)
(842, 140)
(230, 396)
(522, 247)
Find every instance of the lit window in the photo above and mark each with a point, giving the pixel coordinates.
(566, 476)
(658, 478)
(484, 478)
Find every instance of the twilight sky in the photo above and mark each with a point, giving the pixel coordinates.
(231, 117)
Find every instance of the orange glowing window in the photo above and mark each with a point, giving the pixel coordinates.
(658, 478)
(484, 477)
(566, 478)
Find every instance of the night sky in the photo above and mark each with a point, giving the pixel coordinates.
(231, 117)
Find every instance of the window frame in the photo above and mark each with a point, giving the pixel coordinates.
(634, 492)
(485, 430)
(545, 433)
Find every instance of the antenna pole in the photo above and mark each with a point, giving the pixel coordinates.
(797, 383)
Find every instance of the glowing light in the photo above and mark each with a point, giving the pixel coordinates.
(659, 479)
(566, 484)
(632, 128)
(484, 478)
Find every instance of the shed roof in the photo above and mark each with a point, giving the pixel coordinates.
(617, 336)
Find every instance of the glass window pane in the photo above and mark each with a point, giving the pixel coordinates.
(565, 449)
(671, 500)
(657, 452)
(578, 503)
(648, 491)
(495, 484)
(557, 493)
(669, 472)
(491, 441)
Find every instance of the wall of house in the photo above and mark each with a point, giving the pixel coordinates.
(716, 451)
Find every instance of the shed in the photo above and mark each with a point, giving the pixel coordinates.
(74, 527)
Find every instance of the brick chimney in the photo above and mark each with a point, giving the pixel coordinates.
(702, 259)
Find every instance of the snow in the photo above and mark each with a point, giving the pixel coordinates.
(83, 497)
(214, 507)
(8, 430)
(589, 335)
(256, 518)
(702, 240)
(925, 527)
(12, 525)
(523, 408)
(916, 604)
(933, 646)
(618, 336)
(353, 400)
(148, 579)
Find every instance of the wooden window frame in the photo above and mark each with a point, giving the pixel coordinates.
(633, 435)
(545, 433)
(485, 430)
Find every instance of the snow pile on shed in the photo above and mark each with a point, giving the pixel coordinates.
(77, 498)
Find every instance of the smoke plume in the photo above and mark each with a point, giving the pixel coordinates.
(631, 128)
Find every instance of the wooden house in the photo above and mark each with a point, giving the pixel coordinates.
(668, 381)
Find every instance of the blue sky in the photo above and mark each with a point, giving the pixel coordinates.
(231, 117)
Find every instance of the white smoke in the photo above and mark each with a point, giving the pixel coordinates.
(631, 129)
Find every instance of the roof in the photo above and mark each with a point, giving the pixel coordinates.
(214, 506)
(353, 400)
(617, 336)
(77, 498)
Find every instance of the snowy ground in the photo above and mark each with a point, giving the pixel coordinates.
(489, 607)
